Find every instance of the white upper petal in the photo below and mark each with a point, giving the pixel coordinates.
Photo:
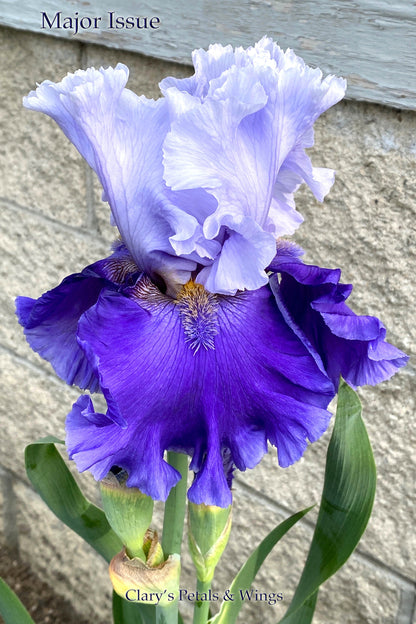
(241, 137)
(203, 179)
(121, 136)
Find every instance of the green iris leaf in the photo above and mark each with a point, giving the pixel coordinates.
(52, 479)
(230, 609)
(347, 501)
(11, 609)
(54, 482)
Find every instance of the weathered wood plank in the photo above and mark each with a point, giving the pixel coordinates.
(370, 42)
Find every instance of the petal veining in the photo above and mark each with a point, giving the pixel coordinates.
(232, 395)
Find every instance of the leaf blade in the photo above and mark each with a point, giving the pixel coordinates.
(11, 608)
(229, 610)
(54, 482)
(347, 501)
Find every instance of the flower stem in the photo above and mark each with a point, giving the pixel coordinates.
(173, 529)
(175, 507)
(167, 614)
(201, 608)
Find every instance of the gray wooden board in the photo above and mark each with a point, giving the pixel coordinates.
(370, 42)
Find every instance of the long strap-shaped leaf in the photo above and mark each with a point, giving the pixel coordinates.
(347, 501)
(230, 609)
(11, 609)
(54, 482)
(52, 479)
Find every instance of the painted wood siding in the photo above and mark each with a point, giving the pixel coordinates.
(370, 42)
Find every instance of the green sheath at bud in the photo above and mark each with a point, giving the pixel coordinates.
(209, 530)
(129, 512)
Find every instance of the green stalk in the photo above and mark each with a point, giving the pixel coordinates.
(201, 608)
(175, 507)
(173, 521)
(167, 614)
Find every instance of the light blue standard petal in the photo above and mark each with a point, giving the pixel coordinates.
(245, 253)
(208, 64)
(55, 100)
(121, 136)
(209, 140)
(241, 134)
(207, 174)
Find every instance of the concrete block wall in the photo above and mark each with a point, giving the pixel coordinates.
(53, 223)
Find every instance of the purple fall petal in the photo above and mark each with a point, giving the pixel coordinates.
(342, 342)
(97, 443)
(121, 135)
(198, 374)
(50, 323)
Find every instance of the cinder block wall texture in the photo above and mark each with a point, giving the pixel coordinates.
(53, 223)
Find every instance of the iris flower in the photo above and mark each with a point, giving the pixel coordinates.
(203, 329)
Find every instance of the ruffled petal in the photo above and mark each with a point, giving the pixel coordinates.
(50, 325)
(228, 274)
(341, 342)
(318, 179)
(196, 375)
(50, 322)
(63, 102)
(209, 64)
(241, 130)
(96, 443)
(301, 422)
(233, 138)
(283, 218)
(121, 135)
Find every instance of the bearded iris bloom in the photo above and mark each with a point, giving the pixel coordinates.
(203, 329)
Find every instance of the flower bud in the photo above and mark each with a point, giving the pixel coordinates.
(154, 582)
(152, 549)
(128, 510)
(208, 533)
